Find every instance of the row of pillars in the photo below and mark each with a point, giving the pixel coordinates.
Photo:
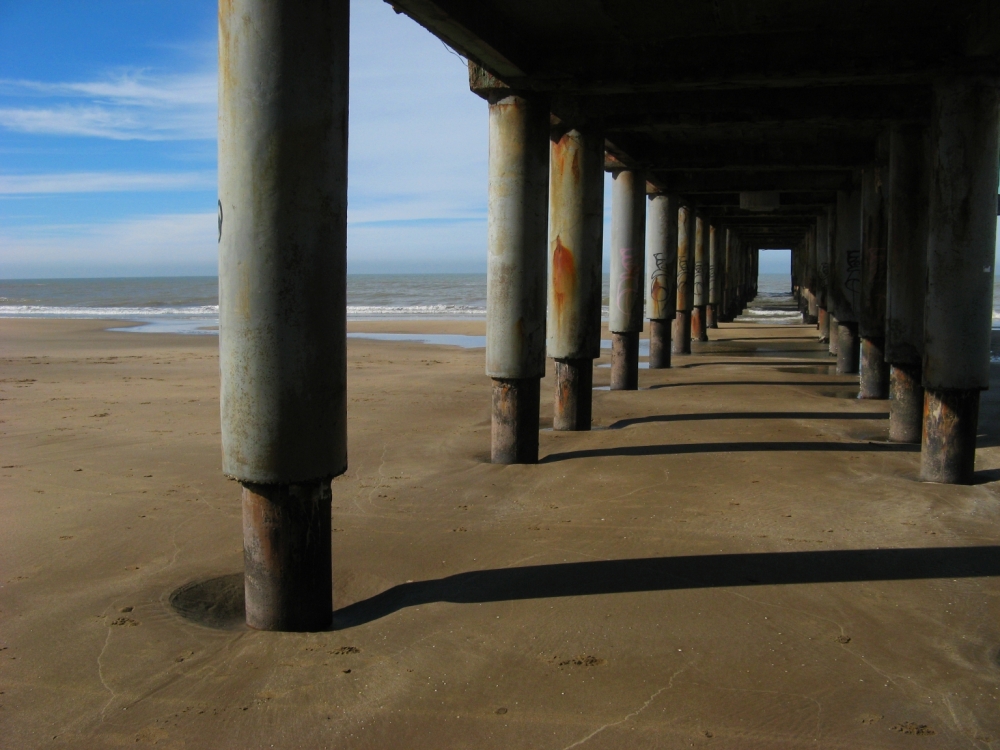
(898, 276)
(546, 215)
(283, 99)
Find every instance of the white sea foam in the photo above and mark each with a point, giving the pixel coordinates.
(125, 313)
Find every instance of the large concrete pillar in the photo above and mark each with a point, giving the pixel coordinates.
(681, 338)
(576, 228)
(661, 276)
(906, 269)
(960, 252)
(822, 276)
(874, 381)
(848, 282)
(515, 272)
(712, 308)
(628, 224)
(699, 330)
(282, 293)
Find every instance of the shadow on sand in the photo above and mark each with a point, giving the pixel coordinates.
(622, 423)
(677, 449)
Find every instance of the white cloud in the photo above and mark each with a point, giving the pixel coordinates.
(129, 106)
(104, 182)
(172, 242)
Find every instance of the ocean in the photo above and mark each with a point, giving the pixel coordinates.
(190, 304)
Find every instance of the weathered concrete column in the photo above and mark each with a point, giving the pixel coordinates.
(661, 276)
(712, 308)
(282, 293)
(681, 338)
(822, 276)
(699, 331)
(848, 281)
(906, 269)
(628, 224)
(960, 250)
(834, 336)
(515, 272)
(875, 236)
(576, 228)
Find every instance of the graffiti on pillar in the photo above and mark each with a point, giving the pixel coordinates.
(852, 275)
(711, 277)
(823, 271)
(682, 271)
(699, 284)
(628, 281)
(658, 291)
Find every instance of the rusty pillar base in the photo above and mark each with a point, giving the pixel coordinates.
(574, 394)
(823, 322)
(834, 336)
(874, 369)
(948, 444)
(711, 316)
(287, 563)
(680, 342)
(906, 404)
(625, 361)
(699, 332)
(659, 344)
(514, 436)
(848, 348)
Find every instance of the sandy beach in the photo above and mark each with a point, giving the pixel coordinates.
(736, 558)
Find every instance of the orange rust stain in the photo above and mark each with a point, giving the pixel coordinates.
(563, 275)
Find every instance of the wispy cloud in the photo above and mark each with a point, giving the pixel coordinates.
(178, 241)
(133, 105)
(104, 182)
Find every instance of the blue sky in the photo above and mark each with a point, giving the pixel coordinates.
(108, 153)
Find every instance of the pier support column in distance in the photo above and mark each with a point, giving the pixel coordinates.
(576, 228)
(661, 276)
(628, 255)
(834, 342)
(712, 308)
(906, 270)
(823, 325)
(515, 274)
(848, 281)
(681, 339)
(699, 330)
(874, 381)
(282, 294)
(960, 251)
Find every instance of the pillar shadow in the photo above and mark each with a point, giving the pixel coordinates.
(758, 447)
(826, 383)
(622, 423)
(593, 578)
(802, 363)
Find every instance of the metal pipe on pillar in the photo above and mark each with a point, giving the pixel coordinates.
(628, 220)
(515, 273)
(700, 300)
(960, 252)
(681, 339)
(661, 276)
(712, 308)
(283, 99)
(874, 381)
(576, 229)
(906, 270)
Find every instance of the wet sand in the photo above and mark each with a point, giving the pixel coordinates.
(736, 558)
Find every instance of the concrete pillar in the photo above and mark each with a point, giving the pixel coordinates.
(823, 324)
(661, 276)
(712, 309)
(576, 229)
(846, 284)
(960, 251)
(681, 338)
(822, 275)
(282, 293)
(848, 349)
(906, 270)
(628, 220)
(699, 330)
(515, 272)
(871, 319)
(834, 336)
